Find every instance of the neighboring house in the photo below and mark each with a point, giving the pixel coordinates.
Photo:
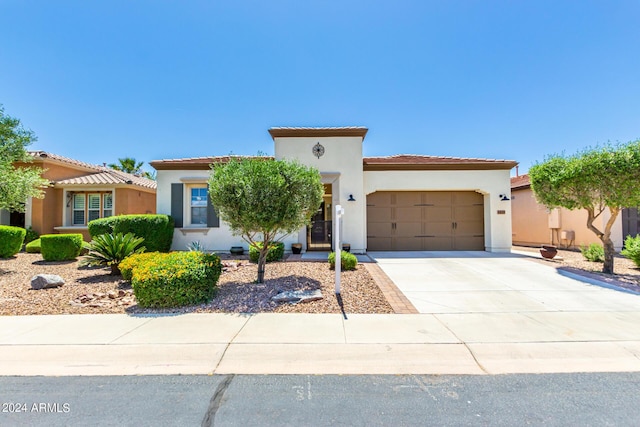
(403, 202)
(79, 193)
(535, 225)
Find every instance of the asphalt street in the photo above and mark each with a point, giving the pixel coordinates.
(596, 399)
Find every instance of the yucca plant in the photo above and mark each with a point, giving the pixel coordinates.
(110, 250)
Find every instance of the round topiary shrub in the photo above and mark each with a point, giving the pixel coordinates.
(276, 251)
(33, 247)
(176, 279)
(60, 247)
(349, 261)
(133, 261)
(11, 239)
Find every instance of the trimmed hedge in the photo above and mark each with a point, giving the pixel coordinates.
(11, 239)
(348, 260)
(132, 261)
(175, 279)
(60, 247)
(276, 251)
(33, 247)
(155, 229)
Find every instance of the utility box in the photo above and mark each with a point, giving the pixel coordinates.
(554, 218)
(568, 235)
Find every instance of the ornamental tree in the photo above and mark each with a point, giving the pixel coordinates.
(264, 199)
(597, 179)
(17, 184)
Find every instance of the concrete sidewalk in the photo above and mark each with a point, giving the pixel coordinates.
(461, 343)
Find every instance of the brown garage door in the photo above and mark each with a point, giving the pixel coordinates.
(425, 221)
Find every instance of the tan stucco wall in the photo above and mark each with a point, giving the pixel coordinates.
(133, 201)
(530, 223)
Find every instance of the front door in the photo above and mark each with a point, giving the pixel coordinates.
(320, 231)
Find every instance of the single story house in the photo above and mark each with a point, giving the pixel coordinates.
(79, 193)
(535, 225)
(394, 203)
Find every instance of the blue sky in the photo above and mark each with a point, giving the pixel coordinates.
(98, 80)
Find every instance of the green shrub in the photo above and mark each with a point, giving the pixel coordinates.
(176, 279)
(594, 252)
(632, 249)
(60, 247)
(110, 250)
(348, 260)
(156, 230)
(133, 261)
(31, 235)
(11, 239)
(33, 247)
(276, 251)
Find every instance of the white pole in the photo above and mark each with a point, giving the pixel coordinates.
(337, 246)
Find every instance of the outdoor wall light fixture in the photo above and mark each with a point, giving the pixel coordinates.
(504, 198)
(351, 199)
(69, 197)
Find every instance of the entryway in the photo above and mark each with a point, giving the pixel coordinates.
(320, 232)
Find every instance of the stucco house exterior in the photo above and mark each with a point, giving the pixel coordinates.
(535, 225)
(402, 202)
(81, 192)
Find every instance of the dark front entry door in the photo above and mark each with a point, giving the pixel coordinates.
(320, 233)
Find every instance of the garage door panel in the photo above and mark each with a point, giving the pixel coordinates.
(440, 228)
(438, 198)
(379, 243)
(467, 198)
(408, 229)
(408, 244)
(407, 198)
(469, 228)
(468, 213)
(438, 243)
(379, 214)
(404, 214)
(470, 243)
(439, 213)
(379, 229)
(380, 198)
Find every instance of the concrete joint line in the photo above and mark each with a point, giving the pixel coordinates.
(128, 332)
(224, 352)
(475, 359)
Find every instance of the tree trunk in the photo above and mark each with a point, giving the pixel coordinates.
(262, 261)
(609, 252)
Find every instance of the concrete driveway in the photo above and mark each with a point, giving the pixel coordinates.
(483, 282)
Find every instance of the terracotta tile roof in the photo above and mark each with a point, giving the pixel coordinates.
(518, 182)
(286, 131)
(197, 163)
(413, 161)
(98, 175)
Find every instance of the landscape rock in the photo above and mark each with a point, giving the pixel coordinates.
(295, 297)
(44, 281)
(115, 298)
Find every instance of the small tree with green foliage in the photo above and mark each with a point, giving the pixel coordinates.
(263, 199)
(17, 184)
(598, 179)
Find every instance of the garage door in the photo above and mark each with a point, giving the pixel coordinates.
(425, 221)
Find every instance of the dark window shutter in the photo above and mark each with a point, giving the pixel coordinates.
(177, 202)
(212, 216)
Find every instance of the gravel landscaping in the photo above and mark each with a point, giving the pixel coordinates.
(93, 290)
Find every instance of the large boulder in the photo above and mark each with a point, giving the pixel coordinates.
(43, 281)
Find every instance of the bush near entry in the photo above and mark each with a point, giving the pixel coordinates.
(276, 251)
(176, 279)
(11, 239)
(60, 247)
(33, 247)
(594, 252)
(155, 229)
(632, 249)
(348, 261)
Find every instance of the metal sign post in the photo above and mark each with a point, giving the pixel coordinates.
(337, 245)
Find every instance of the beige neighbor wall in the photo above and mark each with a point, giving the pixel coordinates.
(531, 224)
(489, 183)
(341, 166)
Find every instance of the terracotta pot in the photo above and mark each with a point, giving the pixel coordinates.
(548, 251)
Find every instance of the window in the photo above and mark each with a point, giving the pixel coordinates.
(107, 205)
(198, 205)
(78, 209)
(93, 208)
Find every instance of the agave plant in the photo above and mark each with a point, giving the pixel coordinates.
(110, 250)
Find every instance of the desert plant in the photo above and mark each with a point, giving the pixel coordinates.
(276, 251)
(348, 261)
(110, 250)
(60, 247)
(176, 279)
(33, 247)
(594, 252)
(31, 235)
(196, 246)
(11, 239)
(156, 230)
(131, 262)
(632, 249)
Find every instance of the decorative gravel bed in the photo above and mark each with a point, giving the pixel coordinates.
(93, 290)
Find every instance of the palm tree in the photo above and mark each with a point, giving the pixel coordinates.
(128, 165)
